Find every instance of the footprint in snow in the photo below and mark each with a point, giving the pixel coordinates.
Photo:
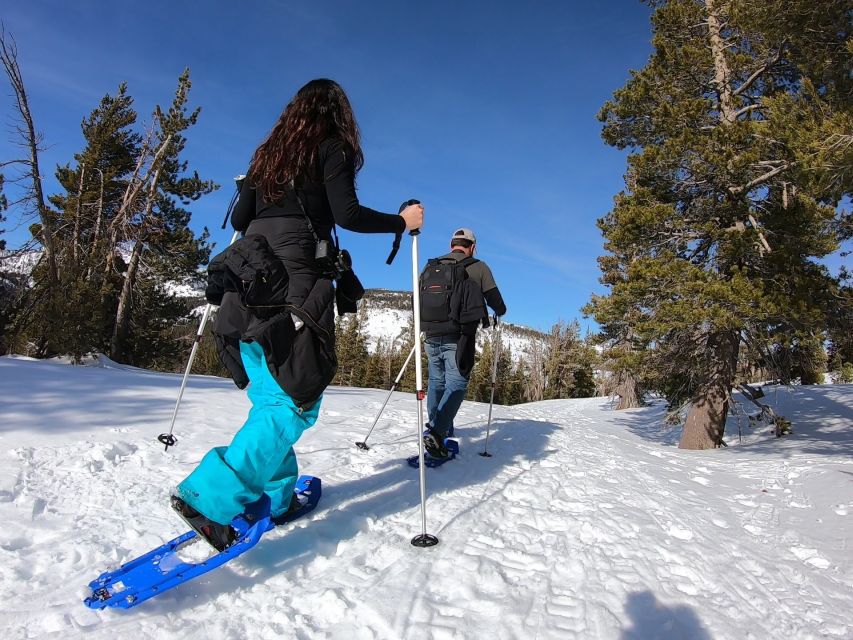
(679, 532)
(810, 557)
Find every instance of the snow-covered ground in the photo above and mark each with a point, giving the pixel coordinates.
(586, 523)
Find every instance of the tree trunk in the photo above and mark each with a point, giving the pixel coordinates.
(706, 420)
(134, 186)
(96, 236)
(9, 58)
(722, 74)
(75, 240)
(119, 337)
(626, 389)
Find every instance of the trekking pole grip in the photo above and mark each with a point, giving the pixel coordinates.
(408, 203)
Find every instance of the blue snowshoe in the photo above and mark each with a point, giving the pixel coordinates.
(435, 454)
(162, 569)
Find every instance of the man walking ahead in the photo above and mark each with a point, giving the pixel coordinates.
(455, 290)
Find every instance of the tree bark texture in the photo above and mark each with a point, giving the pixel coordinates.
(722, 74)
(706, 420)
(77, 213)
(626, 389)
(122, 323)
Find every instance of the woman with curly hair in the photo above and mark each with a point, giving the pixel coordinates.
(300, 184)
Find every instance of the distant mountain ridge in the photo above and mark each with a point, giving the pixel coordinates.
(388, 314)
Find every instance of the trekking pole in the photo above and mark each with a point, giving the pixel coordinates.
(496, 344)
(363, 445)
(169, 439)
(424, 539)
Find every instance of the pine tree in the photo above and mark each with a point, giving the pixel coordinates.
(480, 380)
(152, 220)
(405, 340)
(351, 348)
(714, 240)
(374, 369)
(840, 321)
(517, 383)
(93, 188)
(567, 363)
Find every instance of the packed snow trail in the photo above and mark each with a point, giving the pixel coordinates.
(585, 523)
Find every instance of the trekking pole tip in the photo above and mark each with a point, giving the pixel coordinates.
(167, 439)
(424, 540)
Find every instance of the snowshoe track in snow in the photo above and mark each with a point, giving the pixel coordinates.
(586, 523)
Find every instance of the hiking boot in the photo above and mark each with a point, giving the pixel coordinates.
(286, 516)
(435, 447)
(219, 536)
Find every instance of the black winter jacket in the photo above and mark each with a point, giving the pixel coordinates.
(302, 360)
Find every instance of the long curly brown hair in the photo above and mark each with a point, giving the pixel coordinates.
(319, 110)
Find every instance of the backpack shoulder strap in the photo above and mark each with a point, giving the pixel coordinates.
(467, 262)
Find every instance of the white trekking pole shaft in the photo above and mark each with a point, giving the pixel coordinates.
(363, 445)
(167, 438)
(496, 345)
(424, 539)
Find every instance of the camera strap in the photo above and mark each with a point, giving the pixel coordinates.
(308, 219)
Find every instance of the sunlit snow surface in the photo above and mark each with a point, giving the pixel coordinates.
(585, 523)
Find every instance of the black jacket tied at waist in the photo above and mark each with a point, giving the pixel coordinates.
(302, 360)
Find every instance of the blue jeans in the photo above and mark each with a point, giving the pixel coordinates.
(447, 386)
(260, 458)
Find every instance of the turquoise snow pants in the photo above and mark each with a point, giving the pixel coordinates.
(260, 458)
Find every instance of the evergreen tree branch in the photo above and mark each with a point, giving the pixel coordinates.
(760, 179)
(761, 70)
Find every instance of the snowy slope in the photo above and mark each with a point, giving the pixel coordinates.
(19, 263)
(586, 523)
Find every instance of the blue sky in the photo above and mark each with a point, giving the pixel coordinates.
(485, 111)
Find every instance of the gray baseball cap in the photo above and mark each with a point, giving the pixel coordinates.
(465, 234)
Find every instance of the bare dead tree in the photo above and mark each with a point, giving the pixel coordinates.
(30, 140)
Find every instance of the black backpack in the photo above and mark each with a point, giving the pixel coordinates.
(450, 300)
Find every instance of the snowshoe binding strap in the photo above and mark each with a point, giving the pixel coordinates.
(219, 536)
(435, 447)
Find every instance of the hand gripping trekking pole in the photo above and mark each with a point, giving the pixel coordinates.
(424, 539)
(169, 439)
(496, 346)
(363, 445)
